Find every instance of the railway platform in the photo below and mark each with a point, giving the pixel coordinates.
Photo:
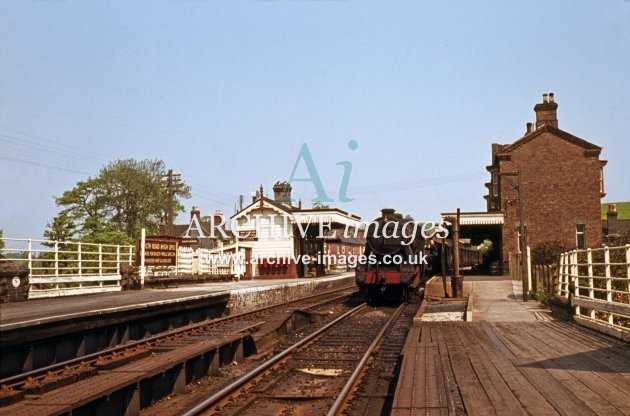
(37, 332)
(512, 358)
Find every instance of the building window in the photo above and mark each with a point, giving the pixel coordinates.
(579, 236)
(601, 180)
(495, 183)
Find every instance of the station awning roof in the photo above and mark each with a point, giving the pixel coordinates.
(476, 218)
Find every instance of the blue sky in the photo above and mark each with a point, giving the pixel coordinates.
(227, 92)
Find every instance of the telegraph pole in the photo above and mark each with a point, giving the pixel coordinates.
(457, 282)
(172, 181)
(522, 238)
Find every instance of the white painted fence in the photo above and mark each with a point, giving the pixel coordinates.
(599, 282)
(59, 268)
(193, 262)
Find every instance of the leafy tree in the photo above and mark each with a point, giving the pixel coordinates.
(320, 206)
(62, 228)
(1, 240)
(126, 196)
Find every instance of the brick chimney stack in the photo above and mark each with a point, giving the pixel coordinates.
(546, 111)
(195, 211)
(612, 212)
(282, 192)
(217, 218)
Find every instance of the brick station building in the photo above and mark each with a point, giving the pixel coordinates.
(562, 186)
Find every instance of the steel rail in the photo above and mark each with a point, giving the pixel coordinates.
(17, 379)
(343, 396)
(223, 393)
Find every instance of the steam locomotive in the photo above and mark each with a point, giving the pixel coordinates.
(396, 266)
(393, 266)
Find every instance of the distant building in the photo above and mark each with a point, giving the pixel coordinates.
(612, 226)
(342, 247)
(562, 186)
(199, 226)
(276, 229)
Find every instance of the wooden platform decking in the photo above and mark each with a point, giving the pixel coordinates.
(512, 368)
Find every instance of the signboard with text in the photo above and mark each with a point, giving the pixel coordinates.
(160, 251)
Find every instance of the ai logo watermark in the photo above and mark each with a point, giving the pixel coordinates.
(313, 175)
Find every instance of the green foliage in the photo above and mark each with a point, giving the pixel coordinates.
(617, 241)
(542, 296)
(320, 206)
(486, 248)
(126, 196)
(1, 240)
(62, 228)
(548, 252)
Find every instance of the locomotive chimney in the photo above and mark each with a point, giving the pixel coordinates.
(388, 213)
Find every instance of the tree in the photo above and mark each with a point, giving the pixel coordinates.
(62, 228)
(320, 206)
(126, 196)
(1, 240)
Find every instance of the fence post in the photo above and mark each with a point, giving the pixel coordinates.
(574, 278)
(608, 280)
(80, 259)
(528, 259)
(566, 275)
(118, 259)
(142, 268)
(100, 259)
(30, 256)
(56, 258)
(591, 292)
(562, 273)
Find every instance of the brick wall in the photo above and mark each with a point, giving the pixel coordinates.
(560, 189)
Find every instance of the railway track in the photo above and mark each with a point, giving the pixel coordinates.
(315, 376)
(231, 338)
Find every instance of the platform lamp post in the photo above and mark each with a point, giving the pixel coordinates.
(522, 238)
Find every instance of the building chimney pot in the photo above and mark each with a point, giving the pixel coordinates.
(612, 212)
(529, 128)
(546, 112)
(217, 218)
(551, 97)
(282, 192)
(195, 211)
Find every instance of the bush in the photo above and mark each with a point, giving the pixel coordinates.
(548, 252)
(618, 240)
(542, 296)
